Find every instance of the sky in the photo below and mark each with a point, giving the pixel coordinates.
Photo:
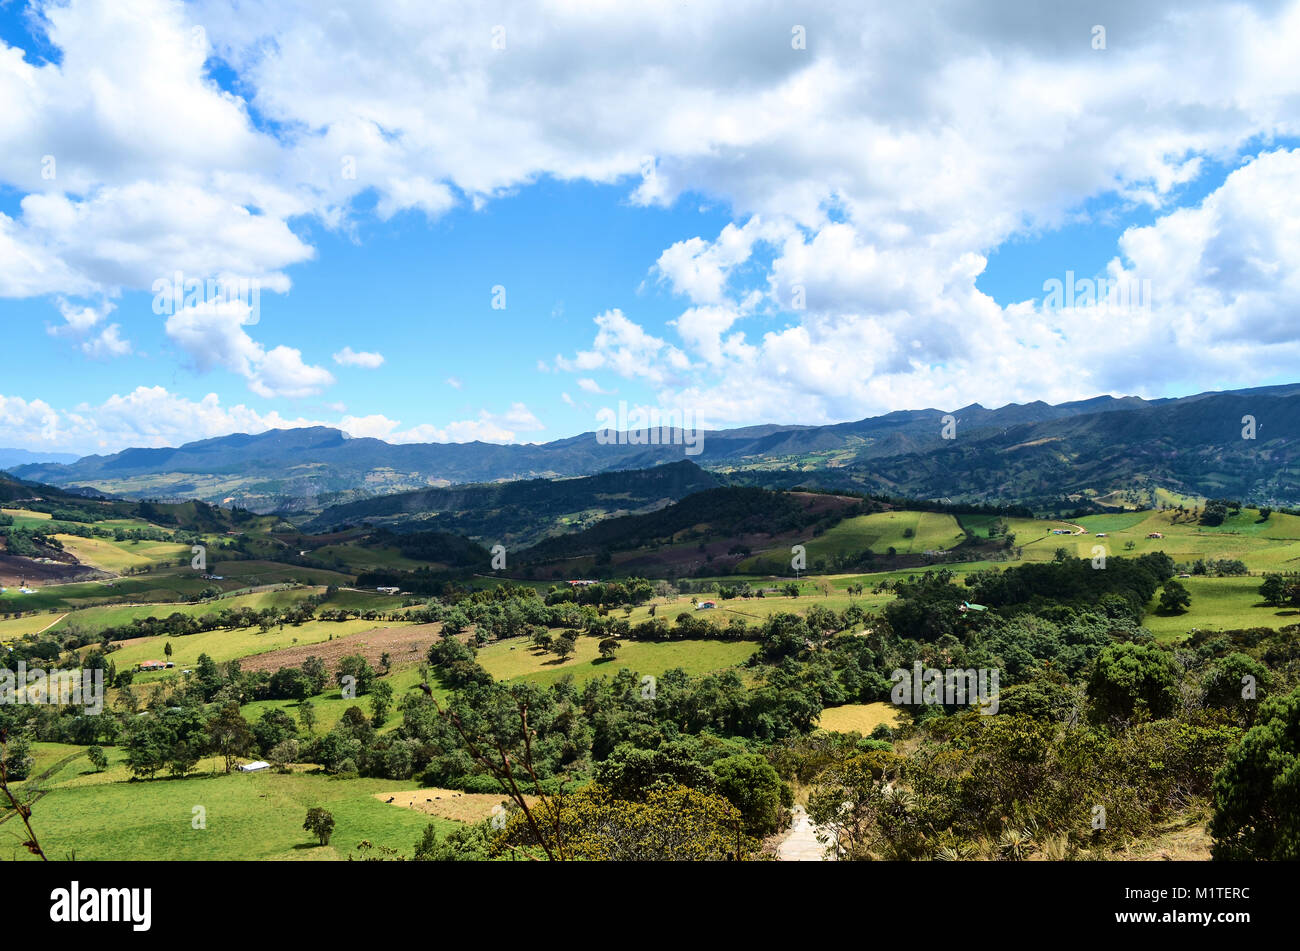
(492, 220)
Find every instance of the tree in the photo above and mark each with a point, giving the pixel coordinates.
(307, 716)
(1274, 590)
(17, 759)
(282, 754)
(564, 645)
(1131, 679)
(357, 667)
(98, 758)
(751, 785)
(1236, 682)
(1256, 791)
(273, 728)
(320, 824)
(1174, 598)
(229, 735)
(167, 650)
(668, 824)
(381, 701)
(1216, 510)
(608, 648)
(313, 668)
(463, 844)
(182, 759)
(852, 800)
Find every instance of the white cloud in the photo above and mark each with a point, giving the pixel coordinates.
(488, 427)
(896, 328)
(151, 416)
(213, 335)
(348, 357)
(880, 167)
(108, 343)
(80, 323)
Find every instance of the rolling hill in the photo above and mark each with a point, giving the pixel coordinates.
(521, 513)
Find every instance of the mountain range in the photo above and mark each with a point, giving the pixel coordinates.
(1242, 444)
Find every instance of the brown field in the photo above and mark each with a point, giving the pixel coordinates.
(448, 803)
(16, 568)
(403, 644)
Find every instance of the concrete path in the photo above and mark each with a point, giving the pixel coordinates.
(801, 844)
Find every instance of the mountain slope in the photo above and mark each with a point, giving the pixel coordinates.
(520, 513)
(1016, 452)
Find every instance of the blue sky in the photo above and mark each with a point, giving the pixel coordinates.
(685, 208)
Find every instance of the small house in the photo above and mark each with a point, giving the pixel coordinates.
(705, 606)
(254, 767)
(1154, 535)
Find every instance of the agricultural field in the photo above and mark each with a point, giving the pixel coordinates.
(168, 584)
(516, 659)
(1273, 545)
(354, 558)
(93, 620)
(25, 518)
(906, 532)
(330, 706)
(29, 624)
(97, 816)
(116, 557)
(259, 816)
(223, 645)
(1219, 604)
(859, 717)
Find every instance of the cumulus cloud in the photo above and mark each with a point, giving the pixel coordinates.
(151, 416)
(885, 329)
(347, 357)
(212, 334)
(81, 322)
(870, 176)
(488, 427)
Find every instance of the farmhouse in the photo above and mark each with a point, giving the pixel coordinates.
(254, 767)
(154, 665)
(388, 590)
(705, 606)
(1155, 535)
(967, 606)
(582, 582)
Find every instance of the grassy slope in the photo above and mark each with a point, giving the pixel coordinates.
(223, 645)
(248, 816)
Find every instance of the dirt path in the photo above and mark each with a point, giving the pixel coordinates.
(801, 844)
(52, 623)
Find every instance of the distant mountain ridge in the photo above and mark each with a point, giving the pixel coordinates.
(24, 457)
(1018, 452)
